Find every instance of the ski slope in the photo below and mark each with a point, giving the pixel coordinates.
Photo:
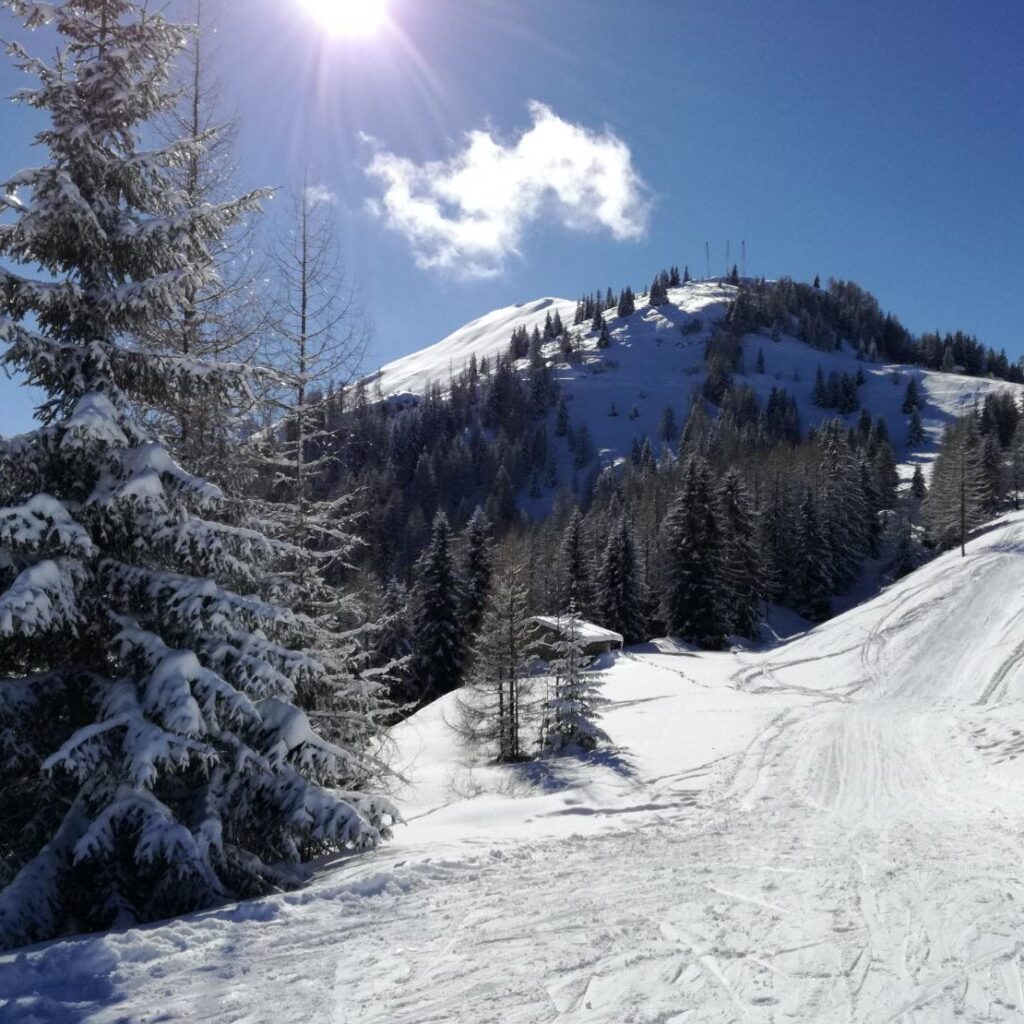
(621, 392)
(826, 831)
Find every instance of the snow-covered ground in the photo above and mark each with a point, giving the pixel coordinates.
(827, 831)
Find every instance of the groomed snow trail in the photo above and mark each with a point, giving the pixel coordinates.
(854, 856)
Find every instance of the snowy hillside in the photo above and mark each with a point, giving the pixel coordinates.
(486, 336)
(622, 391)
(827, 831)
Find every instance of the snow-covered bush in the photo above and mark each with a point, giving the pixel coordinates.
(573, 707)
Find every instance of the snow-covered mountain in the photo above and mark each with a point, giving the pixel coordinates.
(824, 831)
(622, 391)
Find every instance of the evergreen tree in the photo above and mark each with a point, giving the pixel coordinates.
(1016, 462)
(573, 708)
(597, 324)
(393, 641)
(667, 425)
(958, 496)
(901, 540)
(690, 542)
(582, 447)
(820, 396)
(759, 365)
(740, 560)
(915, 430)
(604, 338)
(619, 604)
(576, 587)
(812, 583)
(153, 761)
(562, 417)
(496, 701)
(438, 631)
(911, 401)
(918, 489)
(475, 570)
(627, 302)
(502, 508)
(535, 353)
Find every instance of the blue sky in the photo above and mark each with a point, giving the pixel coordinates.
(873, 141)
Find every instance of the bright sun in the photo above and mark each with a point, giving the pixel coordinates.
(351, 18)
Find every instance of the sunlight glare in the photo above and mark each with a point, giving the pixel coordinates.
(350, 18)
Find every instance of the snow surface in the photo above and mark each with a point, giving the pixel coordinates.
(651, 364)
(829, 830)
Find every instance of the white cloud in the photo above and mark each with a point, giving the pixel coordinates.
(320, 194)
(467, 214)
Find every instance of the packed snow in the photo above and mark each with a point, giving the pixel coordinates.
(828, 830)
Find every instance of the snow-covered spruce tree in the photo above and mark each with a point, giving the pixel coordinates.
(575, 585)
(573, 707)
(151, 760)
(958, 496)
(475, 568)
(691, 544)
(497, 700)
(811, 578)
(741, 562)
(619, 601)
(391, 636)
(438, 637)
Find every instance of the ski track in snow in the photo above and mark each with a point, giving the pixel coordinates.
(830, 831)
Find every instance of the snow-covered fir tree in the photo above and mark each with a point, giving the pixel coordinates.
(619, 601)
(691, 545)
(476, 566)
(388, 643)
(575, 573)
(741, 561)
(575, 700)
(152, 759)
(438, 635)
(811, 574)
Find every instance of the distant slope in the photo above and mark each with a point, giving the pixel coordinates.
(621, 392)
(488, 336)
